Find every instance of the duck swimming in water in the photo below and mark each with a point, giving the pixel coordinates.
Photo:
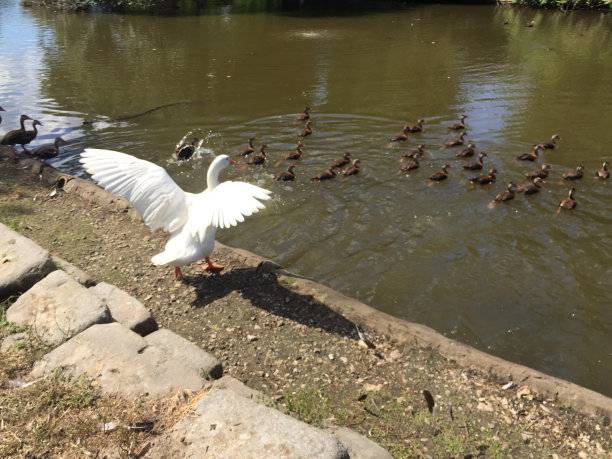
(574, 175)
(568, 203)
(460, 125)
(414, 154)
(415, 128)
(467, 152)
(549, 145)
(326, 175)
(337, 164)
(286, 176)
(530, 156)
(260, 158)
(485, 179)
(307, 130)
(183, 152)
(478, 164)
(440, 175)
(542, 173)
(456, 142)
(603, 173)
(248, 150)
(532, 188)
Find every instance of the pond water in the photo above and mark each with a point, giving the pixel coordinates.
(520, 280)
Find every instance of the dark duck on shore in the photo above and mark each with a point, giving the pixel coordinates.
(568, 203)
(47, 151)
(259, 158)
(542, 173)
(485, 179)
(530, 156)
(15, 136)
(286, 176)
(440, 175)
(532, 188)
(183, 151)
(346, 158)
(414, 154)
(416, 128)
(574, 175)
(475, 166)
(467, 152)
(603, 173)
(249, 149)
(304, 116)
(460, 125)
(456, 142)
(549, 145)
(326, 175)
(307, 130)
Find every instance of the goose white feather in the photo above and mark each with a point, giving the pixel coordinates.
(192, 219)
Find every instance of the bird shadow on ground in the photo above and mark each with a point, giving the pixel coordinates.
(261, 288)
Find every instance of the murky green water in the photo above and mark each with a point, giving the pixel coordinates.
(519, 280)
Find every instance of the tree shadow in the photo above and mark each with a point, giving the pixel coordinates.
(261, 288)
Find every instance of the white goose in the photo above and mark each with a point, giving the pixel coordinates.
(191, 219)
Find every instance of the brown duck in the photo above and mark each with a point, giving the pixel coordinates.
(410, 165)
(441, 175)
(286, 176)
(530, 156)
(337, 164)
(15, 136)
(293, 156)
(568, 203)
(485, 179)
(304, 116)
(456, 142)
(47, 151)
(603, 173)
(307, 130)
(415, 128)
(542, 173)
(460, 125)
(478, 164)
(467, 152)
(574, 175)
(414, 154)
(532, 188)
(259, 158)
(326, 175)
(183, 152)
(508, 194)
(353, 169)
(249, 149)
(549, 145)
(401, 137)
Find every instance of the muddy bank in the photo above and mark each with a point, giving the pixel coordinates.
(296, 340)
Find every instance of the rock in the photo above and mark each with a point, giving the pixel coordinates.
(78, 275)
(57, 308)
(125, 309)
(358, 446)
(186, 352)
(122, 363)
(225, 424)
(23, 262)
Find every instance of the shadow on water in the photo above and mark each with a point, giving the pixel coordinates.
(262, 289)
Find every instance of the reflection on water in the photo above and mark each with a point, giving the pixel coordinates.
(520, 280)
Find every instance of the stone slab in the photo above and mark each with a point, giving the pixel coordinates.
(125, 309)
(227, 425)
(358, 446)
(57, 308)
(77, 274)
(186, 352)
(122, 363)
(22, 262)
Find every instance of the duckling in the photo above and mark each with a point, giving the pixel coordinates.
(568, 203)
(441, 175)
(286, 176)
(401, 137)
(508, 194)
(485, 179)
(456, 142)
(47, 151)
(542, 173)
(478, 164)
(304, 116)
(183, 152)
(410, 166)
(549, 145)
(352, 170)
(574, 175)
(467, 152)
(460, 125)
(294, 155)
(603, 173)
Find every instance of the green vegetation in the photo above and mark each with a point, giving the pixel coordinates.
(563, 4)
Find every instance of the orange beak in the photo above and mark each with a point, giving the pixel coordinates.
(232, 161)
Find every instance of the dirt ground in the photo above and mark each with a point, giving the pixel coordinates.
(305, 356)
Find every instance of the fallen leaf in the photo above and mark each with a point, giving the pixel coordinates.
(523, 390)
(430, 400)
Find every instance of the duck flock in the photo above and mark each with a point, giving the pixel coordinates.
(410, 161)
(346, 166)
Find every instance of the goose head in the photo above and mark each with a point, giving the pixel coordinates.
(215, 168)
